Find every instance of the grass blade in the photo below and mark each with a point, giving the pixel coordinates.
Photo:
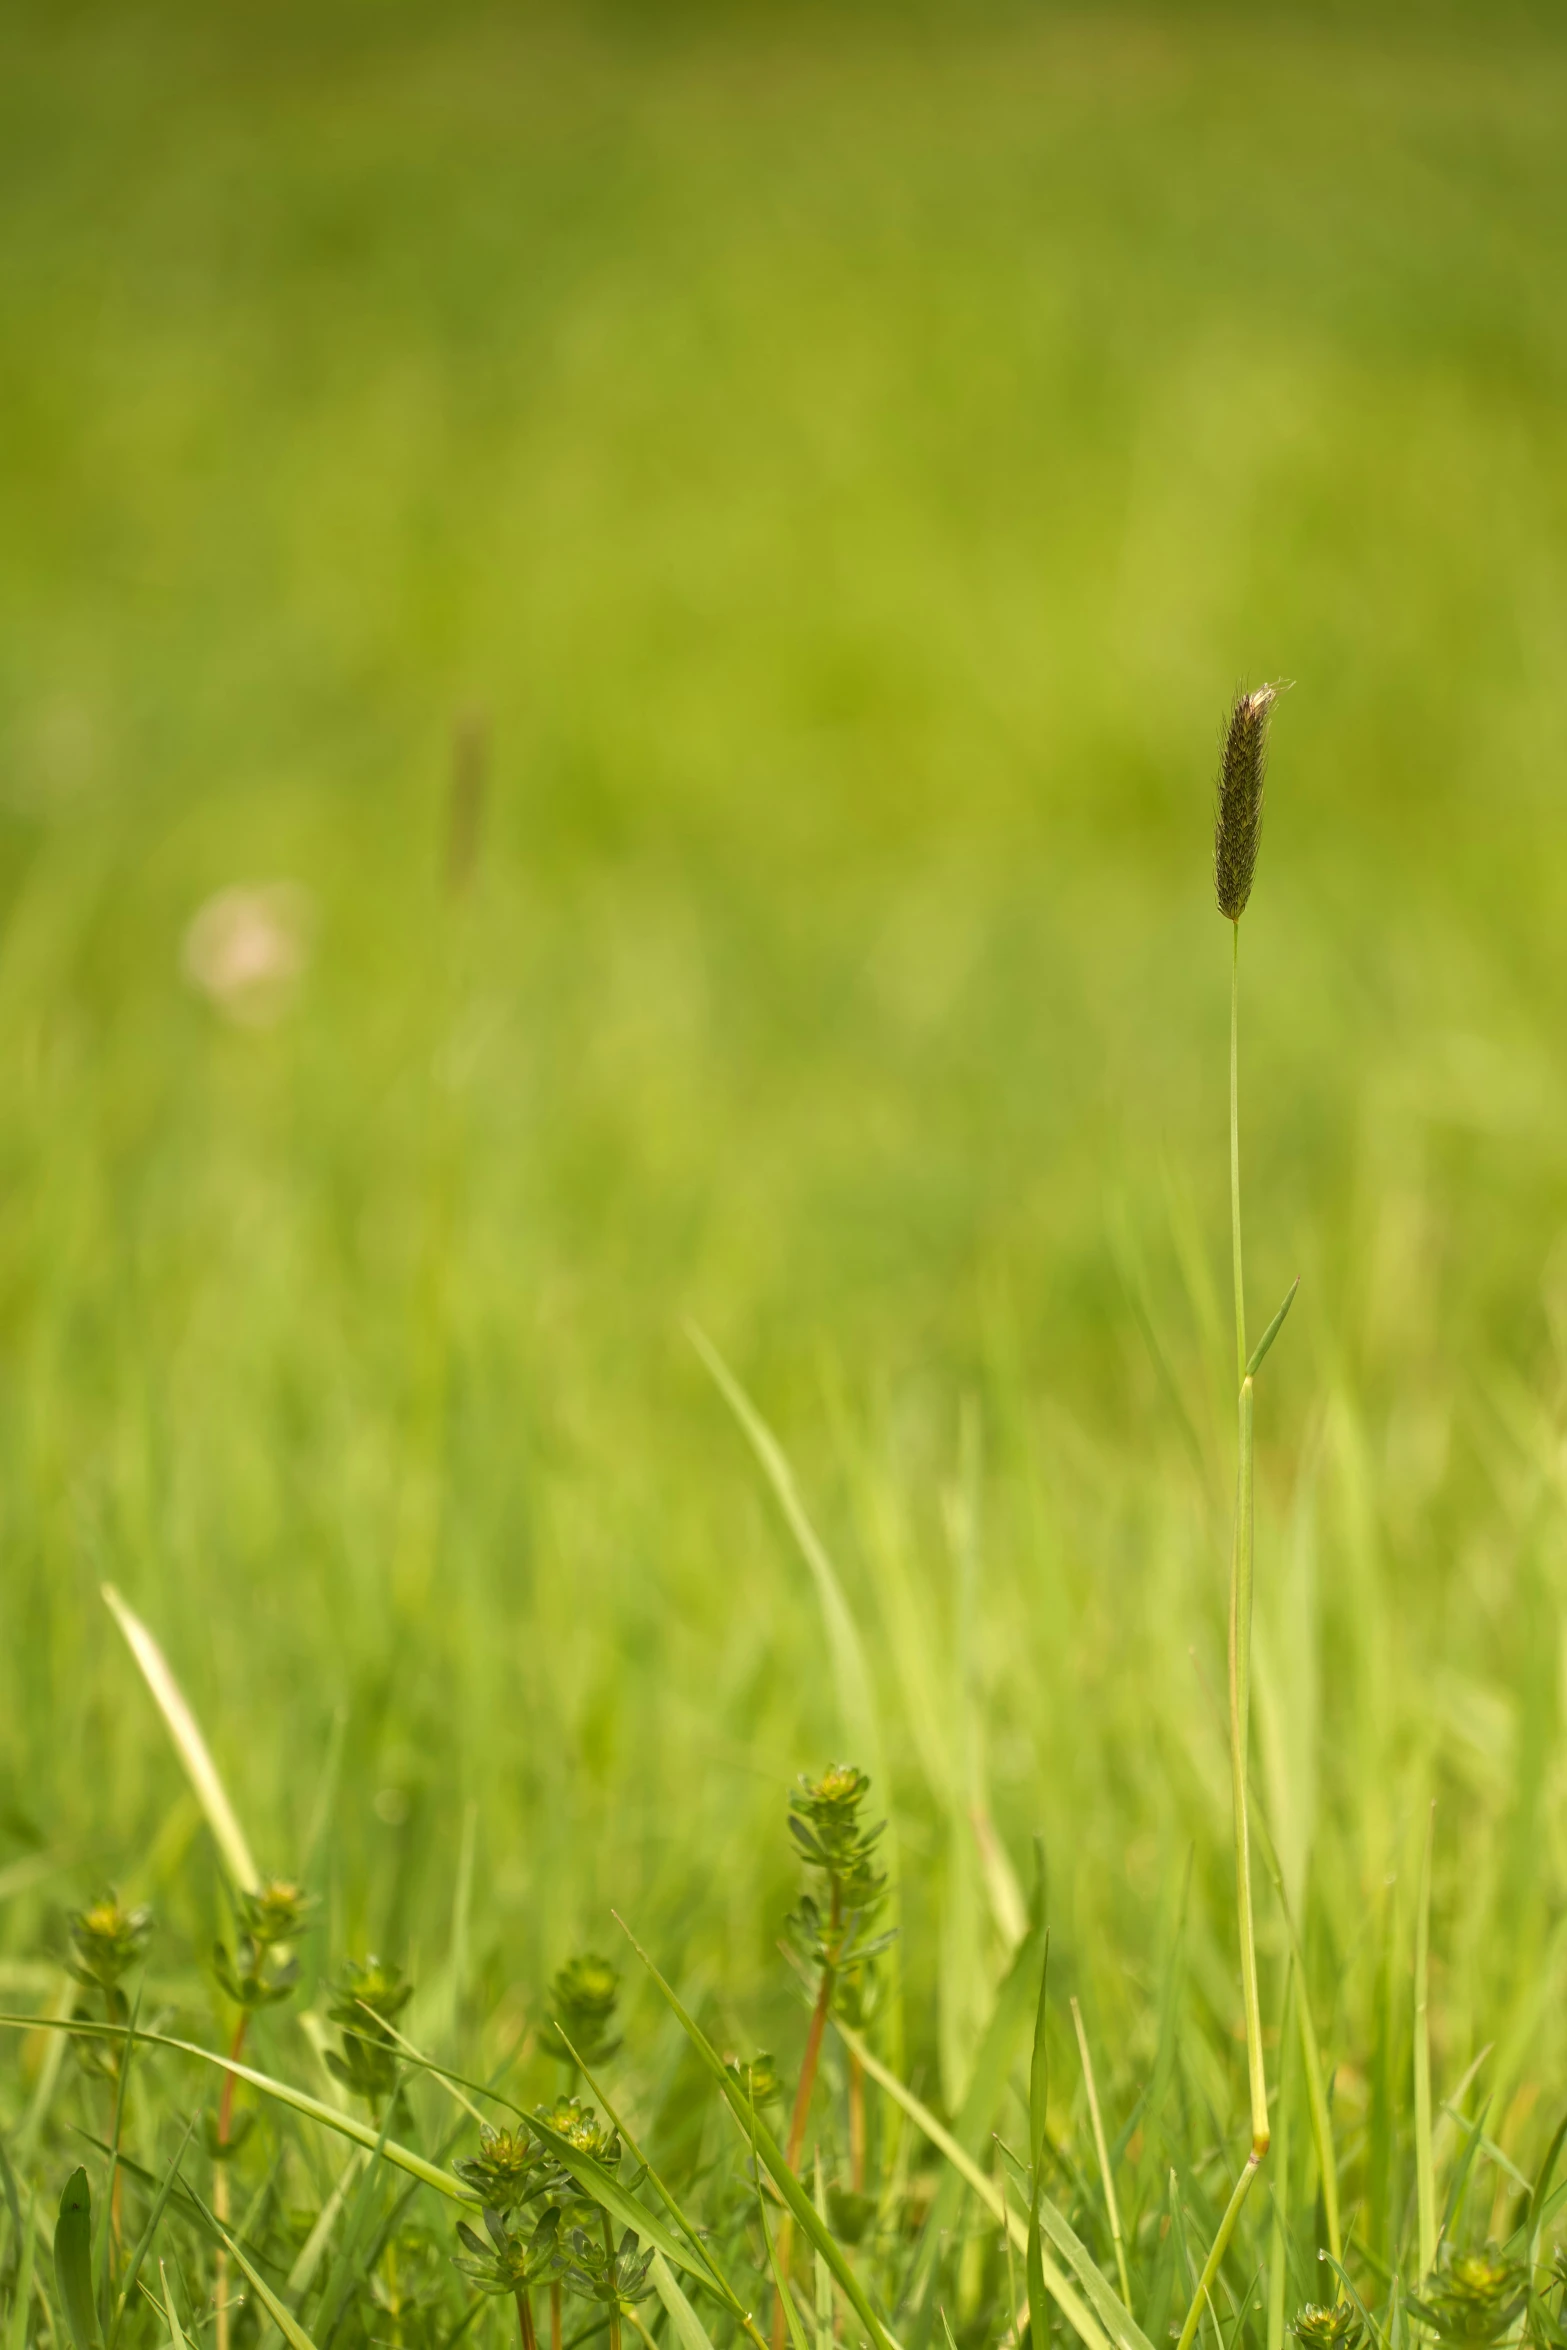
(1541, 2189)
(1310, 2050)
(823, 2274)
(690, 2332)
(1425, 2165)
(771, 2153)
(1259, 1353)
(780, 2281)
(1078, 2316)
(73, 2261)
(1038, 2101)
(846, 1651)
(189, 1743)
(281, 2315)
(346, 2125)
(1106, 2171)
(176, 2331)
(138, 2257)
(16, 2328)
(987, 2084)
(714, 2277)
(851, 1674)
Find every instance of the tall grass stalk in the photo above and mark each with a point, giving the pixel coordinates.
(1237, 835)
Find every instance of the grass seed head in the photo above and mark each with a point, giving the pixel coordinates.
(1237, 825)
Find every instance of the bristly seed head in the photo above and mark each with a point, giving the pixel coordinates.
(1237, 825)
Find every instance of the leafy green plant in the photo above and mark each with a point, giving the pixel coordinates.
(583, 1998)
(369, 1996)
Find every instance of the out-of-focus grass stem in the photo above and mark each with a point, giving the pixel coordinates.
(1106, 2172)
(1425, 2165)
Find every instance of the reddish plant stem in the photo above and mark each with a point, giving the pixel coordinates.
(525, 2323)
(555, 2317)
(801, 2113)
(220, 2186)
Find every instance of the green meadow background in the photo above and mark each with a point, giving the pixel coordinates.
(840, 464)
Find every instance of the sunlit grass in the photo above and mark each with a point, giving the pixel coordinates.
(838, 479)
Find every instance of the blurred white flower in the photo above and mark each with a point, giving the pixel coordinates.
(247, 948)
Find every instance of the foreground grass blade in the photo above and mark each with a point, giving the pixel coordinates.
(16, 2328)
(590, 2174)
(1425, 2164)
(1038, 2101)
(144, 2246)
(1106, 2167)
(176, 2330)
(73, 2261)
(344, 2124)
(189, 1743)
(1125, 2330)
(987, 2085)
(281, 2315)
(709, 2273)
(1541, 2190)
(769, 2152)
(690, 2332)
(607, 2190)
(1311, 2054)
(780, 2281)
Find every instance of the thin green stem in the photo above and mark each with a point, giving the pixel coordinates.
(1240, 1725)
(1425, 2167)
(1240, 1602)
(1278, 2251)
(1311, 2059)
(1217, 2250)
(1235, 1151)
(614, 2306)
(1106, 2171)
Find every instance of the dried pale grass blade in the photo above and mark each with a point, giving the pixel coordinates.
(189, 1743)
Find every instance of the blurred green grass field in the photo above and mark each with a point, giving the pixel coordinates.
(847, 464)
